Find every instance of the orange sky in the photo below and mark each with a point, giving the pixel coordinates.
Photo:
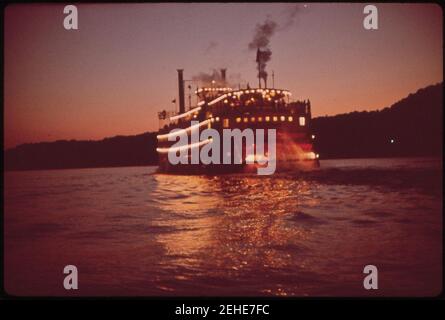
(112, 75)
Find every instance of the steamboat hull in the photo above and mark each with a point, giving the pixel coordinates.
(293, 152)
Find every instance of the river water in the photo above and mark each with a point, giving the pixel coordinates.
(130, 231)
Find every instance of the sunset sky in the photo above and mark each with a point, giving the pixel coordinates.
(112, 75)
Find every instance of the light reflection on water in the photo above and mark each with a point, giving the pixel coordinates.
(133, 232)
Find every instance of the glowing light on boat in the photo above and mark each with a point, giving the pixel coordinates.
(262, 91)
(302, 121)
(257, 158)
(311, 155)
(185, 147)
(217, 99)
(182, 115)
(176, 133)
(215, 89)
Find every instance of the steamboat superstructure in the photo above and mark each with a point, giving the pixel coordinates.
(220, 107)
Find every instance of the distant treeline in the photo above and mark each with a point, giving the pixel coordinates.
(109, 152)
(410, 127)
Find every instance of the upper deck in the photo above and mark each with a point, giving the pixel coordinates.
(242, 105)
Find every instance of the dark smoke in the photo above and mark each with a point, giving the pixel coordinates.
(291, 18)
(263, 34)
(261, 39)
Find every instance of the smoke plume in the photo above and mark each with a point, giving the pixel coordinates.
(263, 33)
(262, 36)
(261, 39)
(291, 18)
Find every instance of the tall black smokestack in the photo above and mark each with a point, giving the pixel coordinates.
(181, 91)
(258, 60)
(260, 42)
(223, 75)
(262, 36)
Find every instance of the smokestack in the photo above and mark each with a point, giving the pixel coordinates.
(258, 60)
(181, 90)
(223, 75)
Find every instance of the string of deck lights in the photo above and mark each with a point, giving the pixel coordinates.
(185, 114)
(185, 147)
(176, 133)
(245, 91)
(242, 90)
(212, 90)
(235, 94)
(217, 99)
(309, 155)
(238, 94)
(238, 119)
(301, 120)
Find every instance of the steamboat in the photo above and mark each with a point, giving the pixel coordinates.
(220, 107)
